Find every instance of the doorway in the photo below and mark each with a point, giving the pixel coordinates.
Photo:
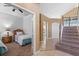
(32, 28)
(55, 34)
(17, 20)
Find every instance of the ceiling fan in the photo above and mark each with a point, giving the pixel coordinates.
(14, 7)
(17, 9)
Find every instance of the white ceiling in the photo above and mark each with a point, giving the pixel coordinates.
(8, 9)
(56, 10)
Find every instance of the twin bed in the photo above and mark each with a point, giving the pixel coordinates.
(19, 37)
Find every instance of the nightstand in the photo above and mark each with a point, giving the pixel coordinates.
(7, 39)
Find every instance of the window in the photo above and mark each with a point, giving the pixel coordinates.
(71, 21)
(66, 21)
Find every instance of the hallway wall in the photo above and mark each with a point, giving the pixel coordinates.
(46, 19)
(71, 13)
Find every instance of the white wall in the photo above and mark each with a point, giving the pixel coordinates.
(27, 24)
(10, 20)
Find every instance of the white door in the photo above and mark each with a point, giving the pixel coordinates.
(55, 33)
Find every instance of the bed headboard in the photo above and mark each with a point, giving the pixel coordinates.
(18, 30)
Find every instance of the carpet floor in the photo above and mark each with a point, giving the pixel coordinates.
(15, 49)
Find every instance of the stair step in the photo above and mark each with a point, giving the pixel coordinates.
(70, 37)
(71, 50)
(70, 28)
(71, 41)
(71, 34)
(70, 31)
(70, 44)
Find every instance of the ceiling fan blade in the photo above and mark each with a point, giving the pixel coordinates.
(20, 10)
(7, 4)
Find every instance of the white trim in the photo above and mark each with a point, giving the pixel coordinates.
(34, 27)
(34, 33)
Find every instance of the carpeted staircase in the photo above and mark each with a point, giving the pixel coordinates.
(70, 41)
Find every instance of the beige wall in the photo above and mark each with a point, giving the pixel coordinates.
(50, 21)
(34, 8)
(45, 18)
(49, 41)
(71, 13)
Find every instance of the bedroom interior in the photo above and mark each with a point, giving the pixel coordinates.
(16, 31)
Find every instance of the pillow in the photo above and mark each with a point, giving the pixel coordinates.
(19, 33)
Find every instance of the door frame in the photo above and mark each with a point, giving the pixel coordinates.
(34, 27)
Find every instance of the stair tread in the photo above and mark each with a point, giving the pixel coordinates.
(70, 31)
(73, 27)
(72, 34)
(70, 44)
(71, 41)
(69, 37)
(67, 49)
